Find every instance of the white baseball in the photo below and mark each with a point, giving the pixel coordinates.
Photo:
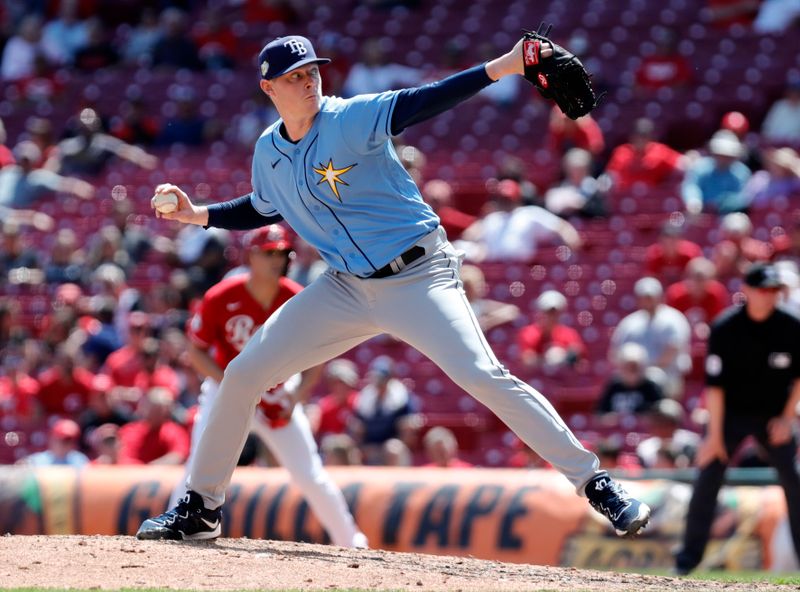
(165, 203)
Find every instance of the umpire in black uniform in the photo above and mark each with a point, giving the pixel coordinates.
(752, 388)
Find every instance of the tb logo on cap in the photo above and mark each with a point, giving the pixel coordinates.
(296, 47)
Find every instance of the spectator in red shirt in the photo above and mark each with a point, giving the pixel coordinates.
(438, 195)
(441, 447)
(699, 296)
(18, 391)
(154, 372)
(737, 248)
(565, 133)
(642, 160)
(154, 438)
(548, 343)
(666, 67)
(667, 259)
(64, 386)
(336, 408)
(124, 364)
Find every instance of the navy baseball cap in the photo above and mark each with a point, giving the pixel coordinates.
(760, 275)
(285, 54)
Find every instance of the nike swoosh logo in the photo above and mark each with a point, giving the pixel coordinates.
(274, 164)
(211, 525)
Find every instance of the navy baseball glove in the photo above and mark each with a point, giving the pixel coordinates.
(560, 76)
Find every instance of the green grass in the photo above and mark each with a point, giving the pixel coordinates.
(734, 577)
(737, 577)
(748, 576)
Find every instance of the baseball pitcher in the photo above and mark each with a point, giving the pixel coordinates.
(327, 167)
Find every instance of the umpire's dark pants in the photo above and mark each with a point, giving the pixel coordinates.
(704, 498)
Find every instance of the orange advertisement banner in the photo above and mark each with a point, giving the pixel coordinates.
(508, 515)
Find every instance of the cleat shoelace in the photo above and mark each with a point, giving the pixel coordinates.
(615, 501)
(175, 513)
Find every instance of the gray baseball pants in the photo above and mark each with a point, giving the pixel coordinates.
(425, 306)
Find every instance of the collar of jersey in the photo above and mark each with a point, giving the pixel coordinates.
(309, 134)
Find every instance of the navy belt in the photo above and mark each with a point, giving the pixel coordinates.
(398, 263)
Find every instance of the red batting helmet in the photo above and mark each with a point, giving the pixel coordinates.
(269, 238)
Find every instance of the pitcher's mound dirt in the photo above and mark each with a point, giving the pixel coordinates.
(239, 564)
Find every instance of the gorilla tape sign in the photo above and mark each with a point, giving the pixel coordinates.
(508, 515)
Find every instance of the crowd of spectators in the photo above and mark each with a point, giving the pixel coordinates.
(102, 365)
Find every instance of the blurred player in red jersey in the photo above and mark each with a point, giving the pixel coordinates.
(229, 314)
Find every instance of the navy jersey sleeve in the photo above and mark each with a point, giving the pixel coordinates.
(369, 120)
(418, 104)
(238, 214)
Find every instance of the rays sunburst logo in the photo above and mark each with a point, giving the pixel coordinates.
(331, 175)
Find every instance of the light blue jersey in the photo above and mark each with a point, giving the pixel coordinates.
(342, 187)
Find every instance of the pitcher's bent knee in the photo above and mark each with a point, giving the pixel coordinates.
(243, 376)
